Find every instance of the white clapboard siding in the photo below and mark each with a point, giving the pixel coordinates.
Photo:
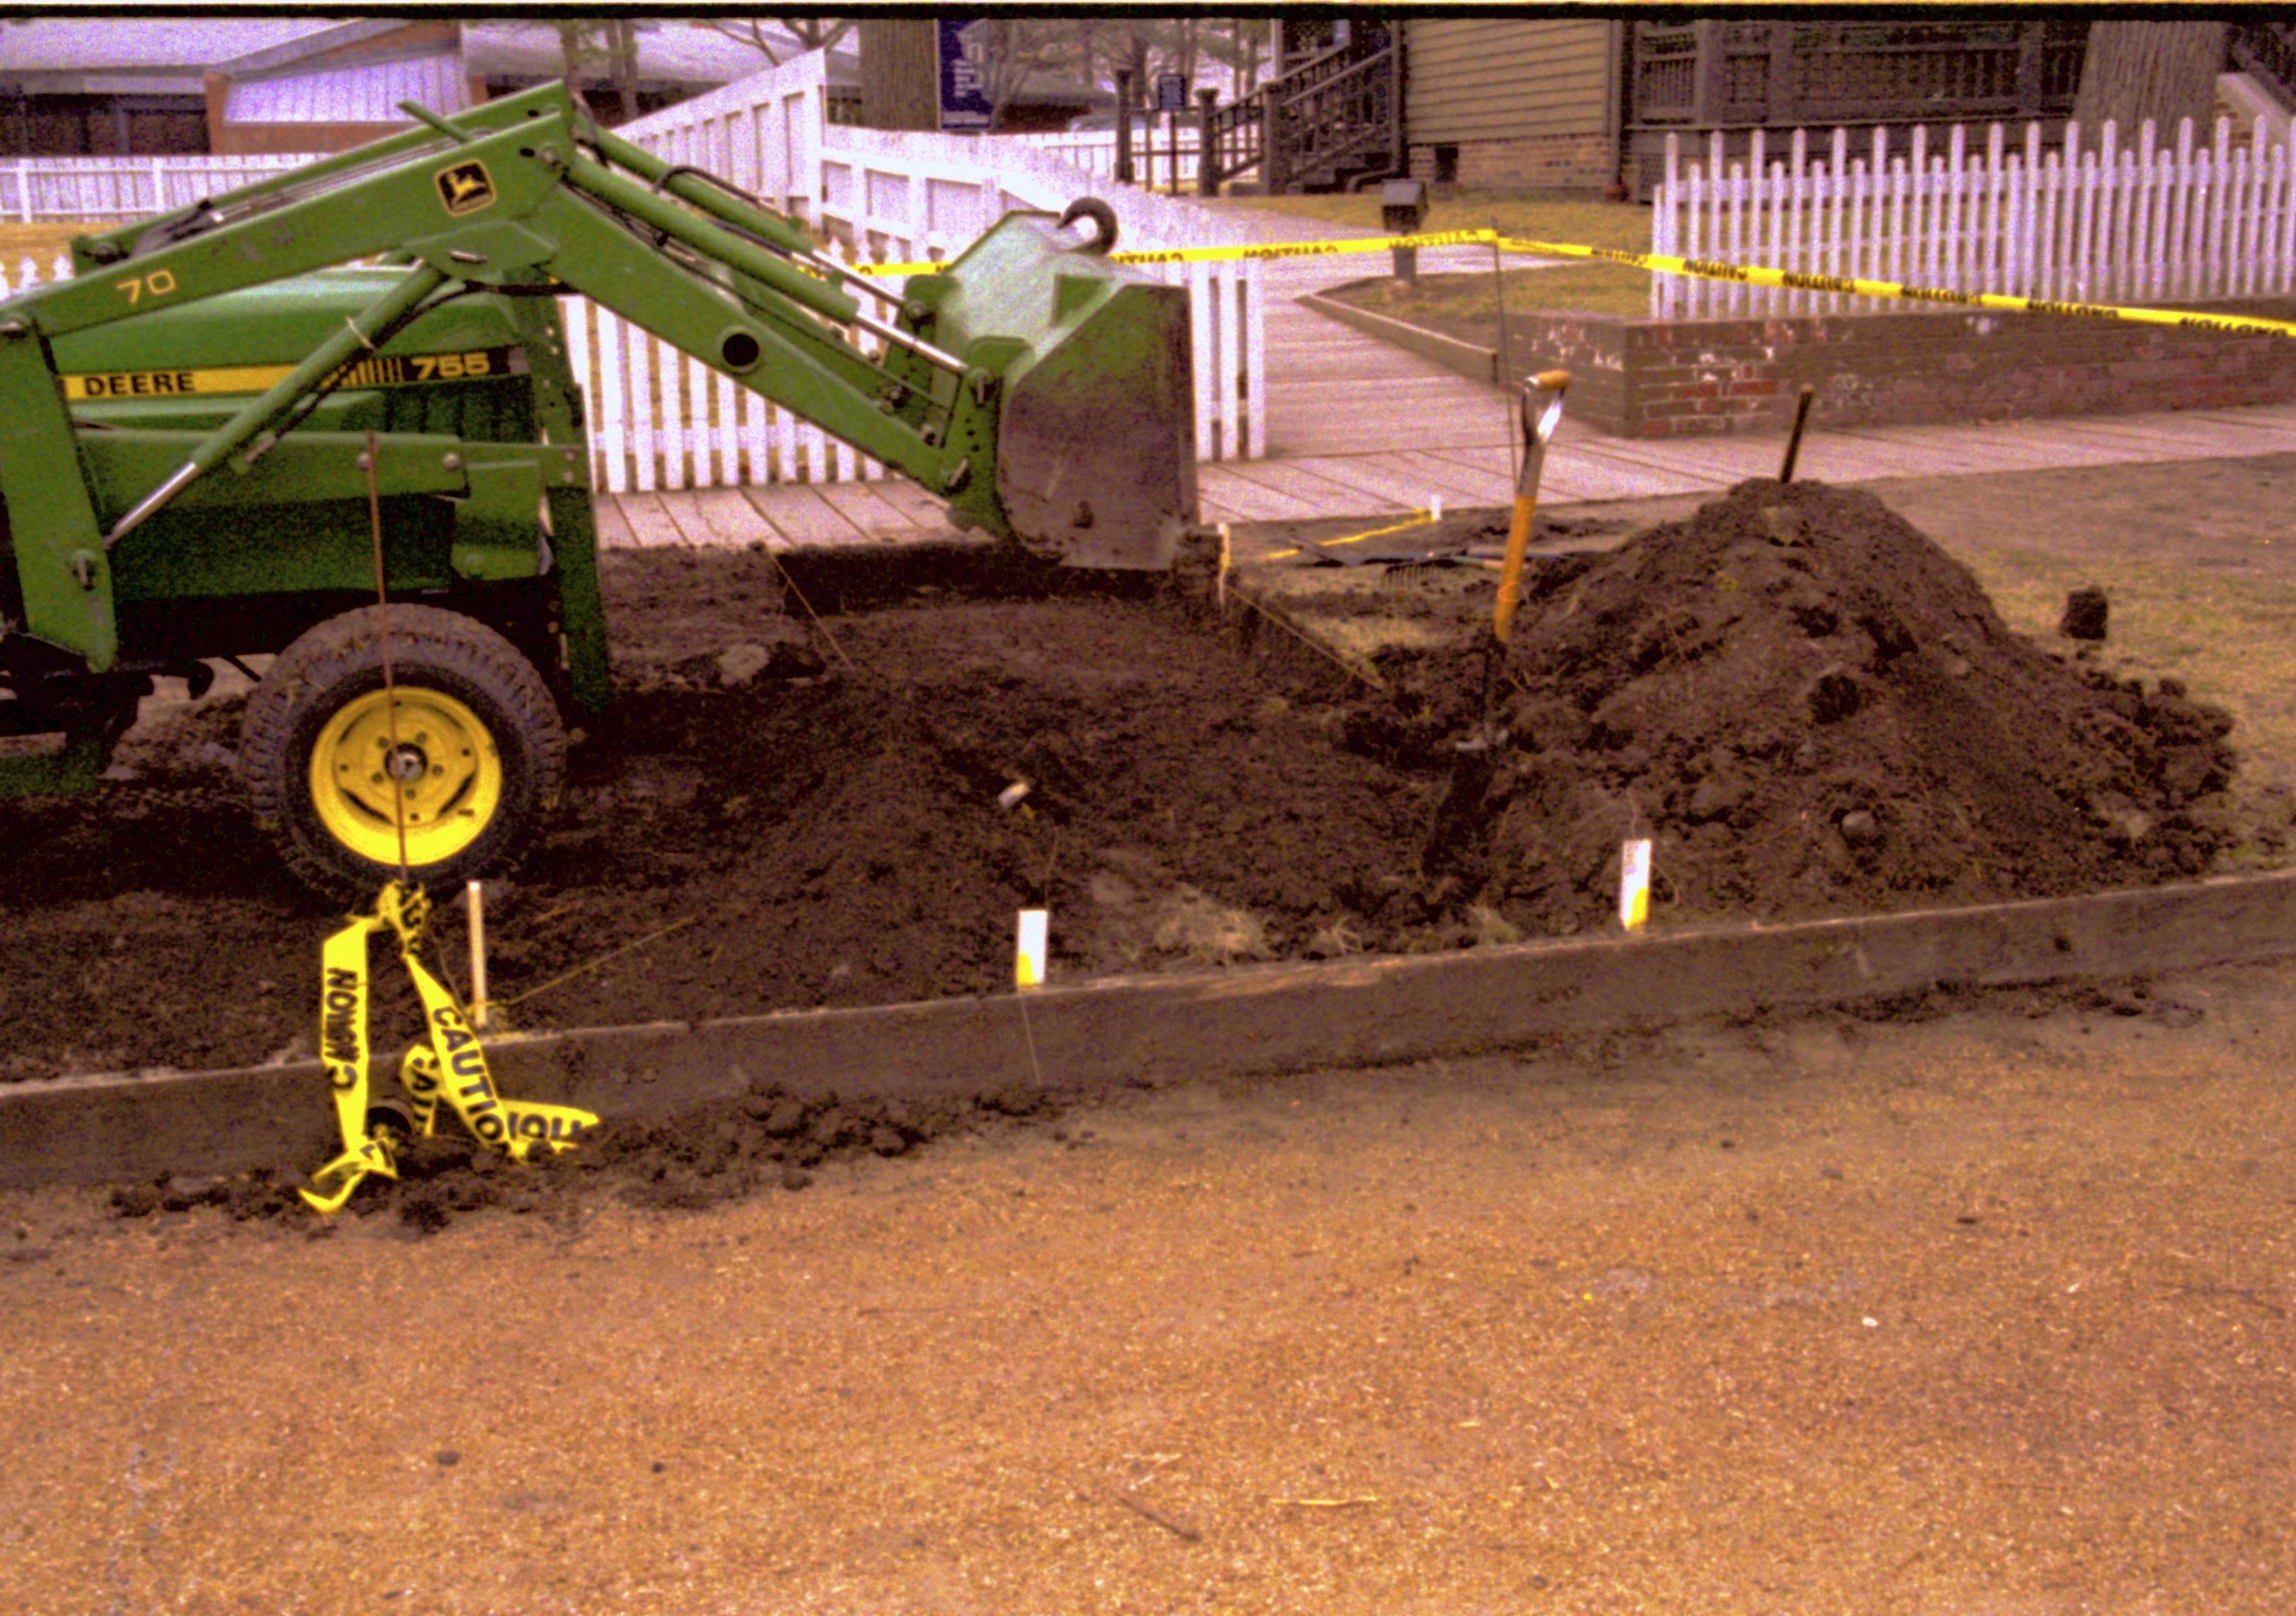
(2102, 218)
(658, 419)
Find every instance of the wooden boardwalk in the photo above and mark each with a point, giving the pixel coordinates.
(1357, 428)
(1583, 466)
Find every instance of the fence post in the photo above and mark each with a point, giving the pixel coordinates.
(1665, 214)
(2212, 263)
(2179, 199)
(1765, 301)
(1984, 215)
(1841, 174)
(1124, 175)
(1798, 177)
(24, 191)
(2280, 216)
(1207, 168)
(2112, 211)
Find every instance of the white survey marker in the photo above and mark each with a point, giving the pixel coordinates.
(1028, 957)
(1633, 883)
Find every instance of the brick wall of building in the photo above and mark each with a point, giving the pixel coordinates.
(1585, 163)
(1661, 379)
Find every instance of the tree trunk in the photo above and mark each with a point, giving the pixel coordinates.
(624, 41)
(900, 73)
(2159, 70)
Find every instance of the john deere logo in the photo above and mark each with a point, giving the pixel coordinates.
(465, 188)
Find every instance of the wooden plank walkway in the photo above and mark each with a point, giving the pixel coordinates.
(1358, 428)
(1581, 467)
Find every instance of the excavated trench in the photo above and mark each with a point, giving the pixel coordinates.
(1808, 706)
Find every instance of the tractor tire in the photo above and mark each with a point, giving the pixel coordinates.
(480, 751)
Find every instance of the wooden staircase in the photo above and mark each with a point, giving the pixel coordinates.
(1334, 122)
(2266, 52)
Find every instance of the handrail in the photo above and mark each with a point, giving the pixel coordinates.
(2268, 51)
(1337, 118)
(1338, 53)
(1323, 109)
(1376, 59)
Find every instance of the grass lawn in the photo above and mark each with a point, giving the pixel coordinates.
(1455, 303)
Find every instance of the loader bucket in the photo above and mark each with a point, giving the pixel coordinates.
(1095, 436)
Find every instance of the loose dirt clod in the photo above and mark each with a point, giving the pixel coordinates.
(2086, 612)
(1836, 723)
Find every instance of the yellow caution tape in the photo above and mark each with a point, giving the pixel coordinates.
(1794, 280)
(1417, 519)
(1272, 250)
(1707, 269)
(453, 1069)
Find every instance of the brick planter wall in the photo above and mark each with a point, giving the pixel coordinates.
(1661, 379)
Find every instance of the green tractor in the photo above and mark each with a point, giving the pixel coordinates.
(218, 443)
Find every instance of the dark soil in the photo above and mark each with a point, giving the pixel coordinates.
(1811, 708)
(1808, 706)
(697, 1158)
(827, 842)
(770, 1140)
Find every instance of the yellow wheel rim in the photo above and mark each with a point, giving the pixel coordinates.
(445, 774)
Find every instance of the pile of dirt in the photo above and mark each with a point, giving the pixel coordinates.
(1810, 708)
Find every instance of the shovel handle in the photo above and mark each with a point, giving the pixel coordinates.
(1542, 408)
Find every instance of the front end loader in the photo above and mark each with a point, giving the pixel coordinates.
(329, 419)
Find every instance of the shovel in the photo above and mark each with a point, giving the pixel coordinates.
(1471, 776)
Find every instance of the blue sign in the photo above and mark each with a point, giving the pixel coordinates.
(964, 103)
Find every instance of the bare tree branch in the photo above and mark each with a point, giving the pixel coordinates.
(810, 33)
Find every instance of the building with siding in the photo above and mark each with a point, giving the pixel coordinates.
(1589, 104)
(139, 85)
(1528, 102)
(124, 87)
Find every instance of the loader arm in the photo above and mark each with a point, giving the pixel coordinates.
(524, 196)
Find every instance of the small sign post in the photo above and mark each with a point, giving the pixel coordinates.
(1171, 101)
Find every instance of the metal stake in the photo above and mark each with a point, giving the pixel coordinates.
(1793, 441)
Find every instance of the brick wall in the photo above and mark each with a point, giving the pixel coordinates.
(1668, 378)
(1535, 162)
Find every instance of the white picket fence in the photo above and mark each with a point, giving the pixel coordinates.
(2147, 223)
(886, 196)
(1093, 152)
(37, 190)
(659, 419)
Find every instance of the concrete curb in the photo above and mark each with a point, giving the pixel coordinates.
(1475, 363)
(1143, 1031)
